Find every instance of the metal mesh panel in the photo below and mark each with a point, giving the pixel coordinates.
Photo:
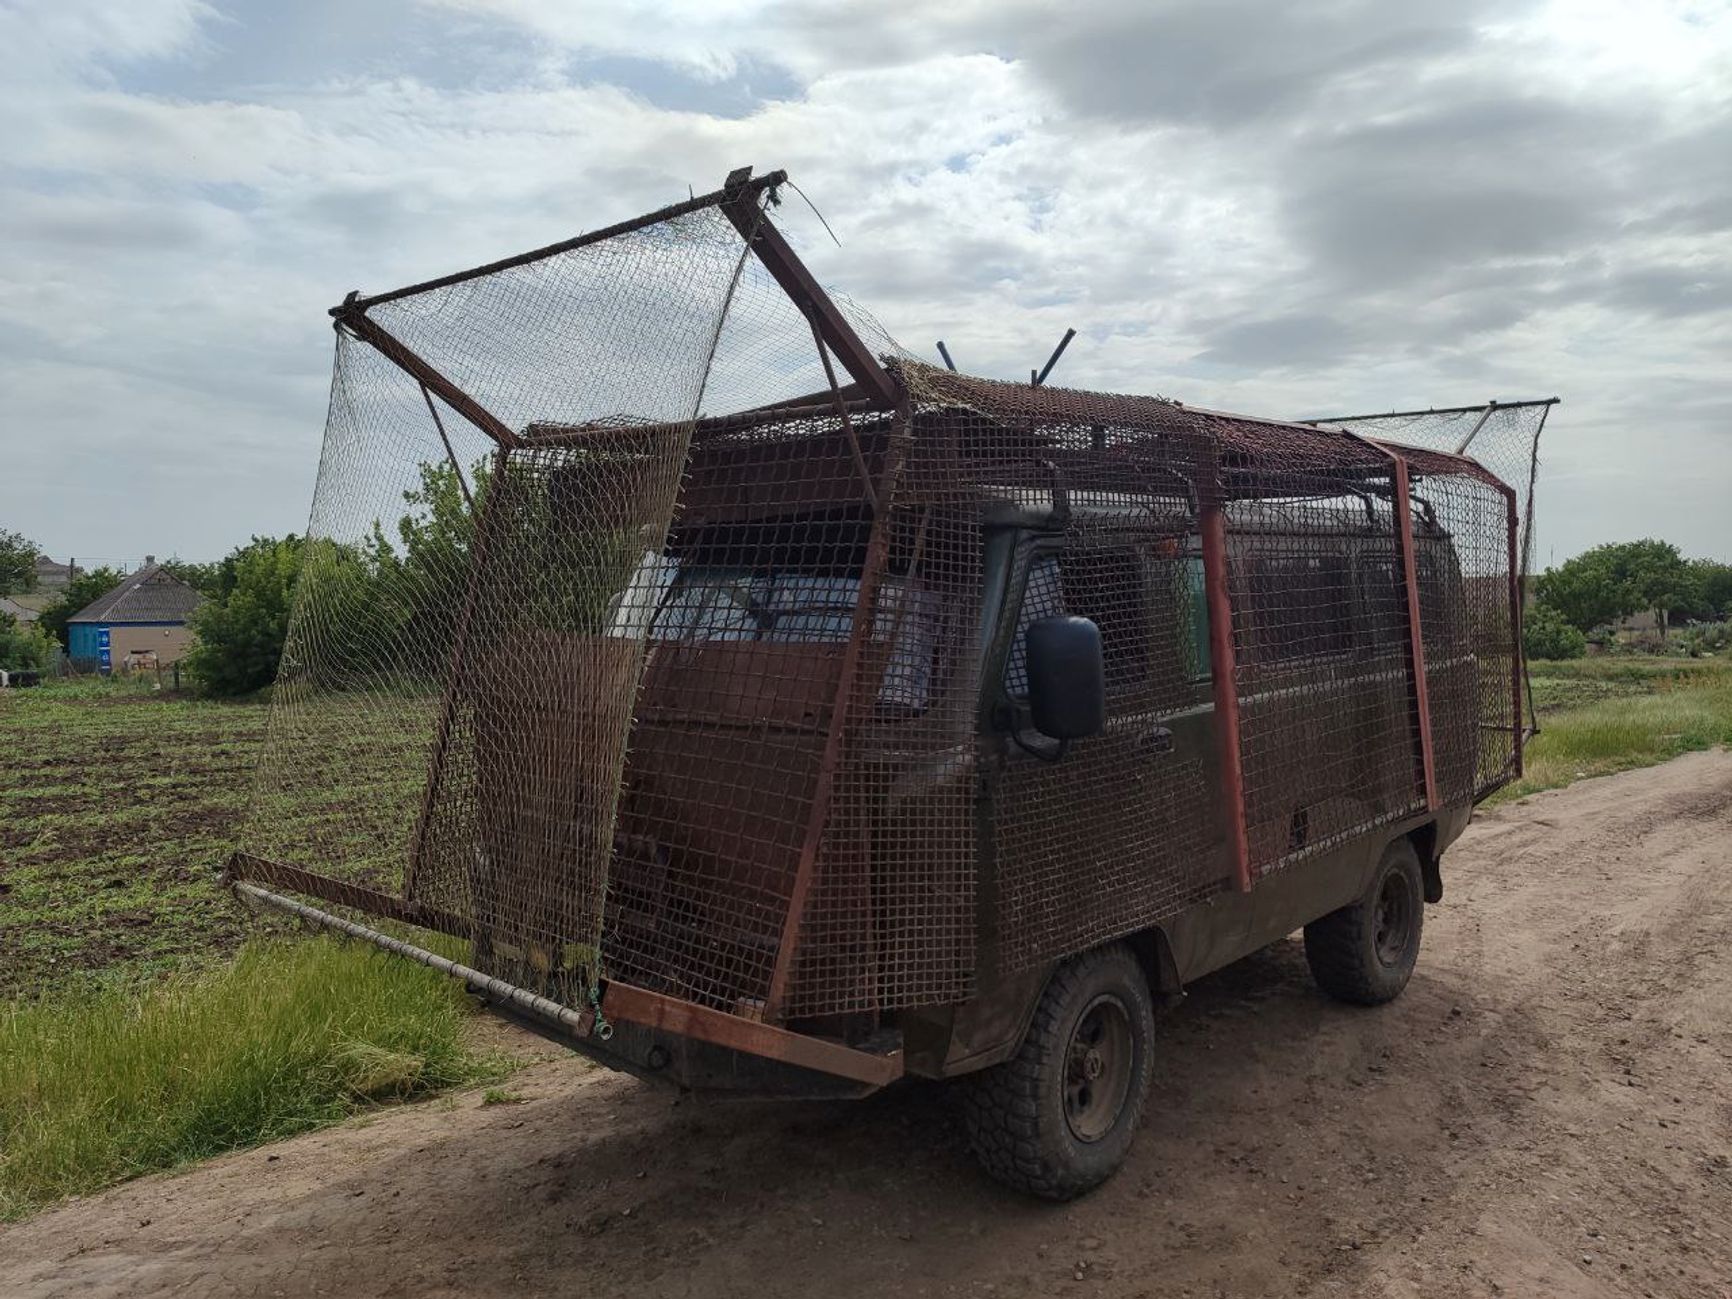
(634, 644)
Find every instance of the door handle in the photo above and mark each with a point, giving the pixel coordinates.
(1158, 740)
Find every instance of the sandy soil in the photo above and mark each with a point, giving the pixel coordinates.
(1547, 1111)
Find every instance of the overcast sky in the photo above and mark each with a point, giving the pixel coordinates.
(1287, 209)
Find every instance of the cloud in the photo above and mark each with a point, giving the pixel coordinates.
(1280, 209)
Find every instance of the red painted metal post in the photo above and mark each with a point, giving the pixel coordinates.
(1515, 630)
(1415, 631)
(1212, 523)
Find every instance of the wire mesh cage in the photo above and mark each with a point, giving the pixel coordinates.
(636, 646)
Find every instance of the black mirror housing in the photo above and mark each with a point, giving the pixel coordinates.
(1067, 678)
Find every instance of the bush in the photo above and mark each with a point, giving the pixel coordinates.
(241, 628)
(1703, 639)
(1546, 634)
(25, 647)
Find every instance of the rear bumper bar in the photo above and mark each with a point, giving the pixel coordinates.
(620, 1003)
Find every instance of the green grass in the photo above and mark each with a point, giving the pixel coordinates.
(289, 1036)
(117, 805)
(1602, 715)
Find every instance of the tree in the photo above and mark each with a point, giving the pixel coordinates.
(203, 578)
(1614, 581)
(239, 631)
(84, 588)
(1713, 591)
(1547, 634)
(25, 647)
(17, 563)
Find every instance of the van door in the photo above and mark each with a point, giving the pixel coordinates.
(1113, 832)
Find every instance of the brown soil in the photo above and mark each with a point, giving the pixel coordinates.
(1547, 1111)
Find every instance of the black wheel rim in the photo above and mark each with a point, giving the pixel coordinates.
(1395, 909)
(1098, 1064)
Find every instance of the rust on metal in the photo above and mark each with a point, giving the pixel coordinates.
(1223, 676)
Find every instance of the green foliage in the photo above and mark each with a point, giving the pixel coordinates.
(17, 563)
(1614, 581)
(1547, 634)
(206, 579)
(86, 587)
(1711, 596)
(25, 647)
(293, 1035)
(1703, 639)
(241, 628)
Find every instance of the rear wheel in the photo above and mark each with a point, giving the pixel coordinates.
(1057, 1118)
(1365, 952)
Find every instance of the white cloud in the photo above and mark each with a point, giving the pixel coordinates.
(1364, 205)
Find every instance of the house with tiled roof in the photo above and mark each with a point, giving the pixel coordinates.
(141, 622)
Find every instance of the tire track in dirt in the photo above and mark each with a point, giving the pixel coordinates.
(1547, 1111)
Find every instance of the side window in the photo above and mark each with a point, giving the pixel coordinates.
(1300, 607)
(1043, 597)
(1193, 608)
(1106, 586)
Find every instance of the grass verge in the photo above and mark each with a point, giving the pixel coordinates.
(1604, 715)
(292, 1035)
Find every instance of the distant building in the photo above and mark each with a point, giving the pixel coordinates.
(140, 623)
(51, 574)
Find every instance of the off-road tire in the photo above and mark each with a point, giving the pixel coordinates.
(1361, 954)
(1019, 1114)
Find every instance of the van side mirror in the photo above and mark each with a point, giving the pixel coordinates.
(1067, 677)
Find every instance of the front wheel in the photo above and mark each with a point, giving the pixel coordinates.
(1058, 1117)
(1365, 952)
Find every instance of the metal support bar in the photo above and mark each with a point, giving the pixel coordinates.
(877, 553)
(842, 414)
(770, 181)
(945, 353)
(805, 292)
(352, 317)
(1473, 432)
(1518, 657)
(1053, 359)
(1223, 671)
(453, 675)
(624, 1003)
(1430, 410)
(579, 1023)
(1415, 631)
(388, 906)
(450, 454)
(1420, 694)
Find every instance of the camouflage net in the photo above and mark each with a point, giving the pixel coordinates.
(643, 650)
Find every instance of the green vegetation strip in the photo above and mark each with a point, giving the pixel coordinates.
(290, 1036)
(1603, 715)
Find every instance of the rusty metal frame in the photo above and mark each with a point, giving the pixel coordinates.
(1419, 694)
(626, 1003)
(1224, 683)
(786, 268)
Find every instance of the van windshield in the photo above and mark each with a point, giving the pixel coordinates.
(705, 603)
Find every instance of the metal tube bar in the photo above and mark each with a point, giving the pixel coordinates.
(1518, 658)
(579, 1023)
(805, 292)
(456, 468)
(365, 329)
(1430, 410)
(769, 181)
(1421, 694)
(453, 670)
(1223, 671)
(945, 353)
(1053, 359)
(388, 906)
(1473, 432)
(842, 414)
(562, 435)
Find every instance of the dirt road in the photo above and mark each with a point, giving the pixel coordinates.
(1547, 1111)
